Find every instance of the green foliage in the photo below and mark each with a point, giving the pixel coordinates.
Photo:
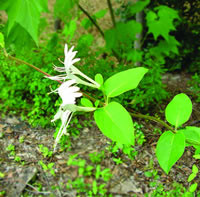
(121, 37)
(169, 149)
(86, 171)
(62, 8)
(2, 43)
(24, 15)
(115, 123)
(139, 6)
(86, 23)
(124, 81)
(45, 151)
(192, 135)
(48, 167)
(159, 24)
(26, 94)
(178, 111)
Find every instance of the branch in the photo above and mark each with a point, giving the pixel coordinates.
(92, 20)
(152, 118)
(111, 13)
(98, 28)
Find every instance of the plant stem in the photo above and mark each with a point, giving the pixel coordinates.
(98, 28)
(111, 13)
(92, 20)
(19, 61)
(136, 115)
(152, 118)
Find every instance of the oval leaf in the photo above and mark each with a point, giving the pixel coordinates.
(193, 187)
(115, 123)
(192, 135)
(178, 111)
(191, 177)
(169, 149)
(124, 81)
(99, 78)
(86, 102)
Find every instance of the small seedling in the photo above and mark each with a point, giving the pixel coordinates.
(45, 151)
(97, 157)
(1, 135)
(48, 167)
(118, 160)
(18, 158)
(21, 139)
(11, 149)
(2, 175)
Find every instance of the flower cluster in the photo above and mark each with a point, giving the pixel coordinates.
(68, 91)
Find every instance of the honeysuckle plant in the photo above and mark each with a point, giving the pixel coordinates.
(111, 117)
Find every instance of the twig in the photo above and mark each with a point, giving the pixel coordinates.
(36, 191)
(98, 28)
(152, 118)
(92, 20)
(19, 61)
(111, 13)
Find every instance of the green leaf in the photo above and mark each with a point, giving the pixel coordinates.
(115, 123)
(166, 47)
(191, 177)
(193, 187)
(192, 135)
(169, 149)
(2, 43)
(99, 79)
(124, 81)
(62, 8)
(178, 111)
(196, 156)
(86, 102)
(148, 174)
(100, 14)
(69, 29)
(121, 37)
(27, 14)
(138, 6)
(195, 169)
(160, 25)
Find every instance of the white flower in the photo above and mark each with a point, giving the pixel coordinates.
(65, 117)
(71, 70)
(69, 57)
(69, 93)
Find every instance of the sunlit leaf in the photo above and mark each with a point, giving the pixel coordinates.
(169, 149)
(192, 135)
(115, 123)
(178, 111)
(124, 81)
(86, 102)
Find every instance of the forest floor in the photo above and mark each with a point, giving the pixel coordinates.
(139, 176)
